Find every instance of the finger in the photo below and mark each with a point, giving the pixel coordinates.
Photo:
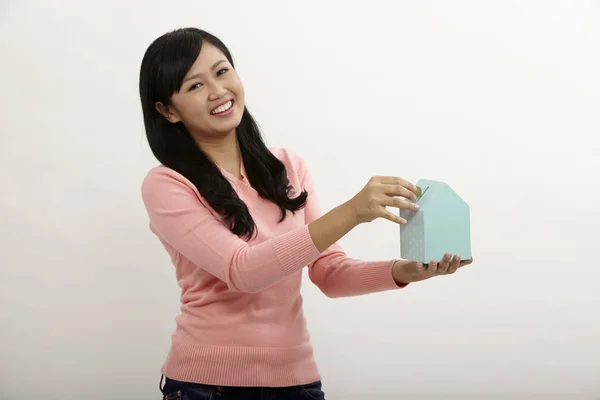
(398, 190)
(390, 216)
(432, 267)
(454, 264)
(466, 262)
(444, 264)
(394, 180)
(399, 203)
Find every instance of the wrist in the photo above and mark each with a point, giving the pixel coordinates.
(398, 274)
(351, 214)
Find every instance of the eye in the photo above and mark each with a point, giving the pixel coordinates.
(222, 71)
(195, 86)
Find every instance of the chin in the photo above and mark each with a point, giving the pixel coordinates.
(226, 129)
(232, 123)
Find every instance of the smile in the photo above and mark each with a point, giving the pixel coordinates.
(222, 108)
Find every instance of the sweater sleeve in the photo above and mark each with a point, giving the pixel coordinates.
(179, 218)
(336, 274)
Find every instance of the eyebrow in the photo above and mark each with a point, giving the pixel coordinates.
(215, 65)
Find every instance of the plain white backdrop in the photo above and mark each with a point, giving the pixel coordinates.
(501, 99)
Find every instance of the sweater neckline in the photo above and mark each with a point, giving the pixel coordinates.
(235, 179)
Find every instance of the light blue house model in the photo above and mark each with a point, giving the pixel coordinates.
(441, 225)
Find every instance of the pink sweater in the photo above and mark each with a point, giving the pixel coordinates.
(241, 321)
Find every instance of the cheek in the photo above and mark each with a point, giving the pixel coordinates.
(237, 88)
(194, 108)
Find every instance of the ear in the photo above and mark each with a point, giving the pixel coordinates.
(168, 112)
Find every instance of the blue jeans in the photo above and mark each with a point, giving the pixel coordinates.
(177, 390)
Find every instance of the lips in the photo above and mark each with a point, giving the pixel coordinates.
(223, 107)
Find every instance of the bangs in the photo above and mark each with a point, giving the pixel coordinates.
(175, 58)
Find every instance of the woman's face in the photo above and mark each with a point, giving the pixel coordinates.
(210, 102)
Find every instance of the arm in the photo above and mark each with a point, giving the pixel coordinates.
(336, 274)
(180, 218)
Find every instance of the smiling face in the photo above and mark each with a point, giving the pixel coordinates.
(210, 102)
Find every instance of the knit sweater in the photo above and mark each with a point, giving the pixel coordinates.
(241, 320)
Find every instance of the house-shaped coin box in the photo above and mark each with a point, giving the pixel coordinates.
(441, 225)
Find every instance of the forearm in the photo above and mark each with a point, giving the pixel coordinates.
(332, 226)
(338, 275)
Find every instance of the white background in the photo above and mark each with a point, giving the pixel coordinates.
(501, 99)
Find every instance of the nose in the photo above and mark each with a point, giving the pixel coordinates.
(217, 93)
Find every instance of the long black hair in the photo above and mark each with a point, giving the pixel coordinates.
(164, 66)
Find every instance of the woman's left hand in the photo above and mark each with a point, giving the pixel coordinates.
(405, 271)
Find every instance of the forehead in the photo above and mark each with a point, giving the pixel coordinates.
(209, 55)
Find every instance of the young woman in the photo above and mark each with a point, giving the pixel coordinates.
(240, 221)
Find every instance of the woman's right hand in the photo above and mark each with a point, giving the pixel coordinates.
(381, 192)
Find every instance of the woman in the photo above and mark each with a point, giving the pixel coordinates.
(240, 221)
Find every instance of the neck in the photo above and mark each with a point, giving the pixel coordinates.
(224, 151)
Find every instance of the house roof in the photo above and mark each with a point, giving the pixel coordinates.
(432, 190)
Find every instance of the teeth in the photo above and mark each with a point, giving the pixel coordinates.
(223, 108)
